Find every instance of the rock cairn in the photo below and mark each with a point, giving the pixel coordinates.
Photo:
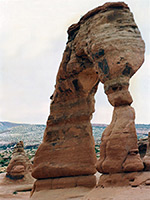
(104, 46)
(20, 164)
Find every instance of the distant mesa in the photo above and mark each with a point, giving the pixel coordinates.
(4, 126)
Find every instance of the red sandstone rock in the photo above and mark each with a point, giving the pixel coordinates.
(68, 154)
(117, 179)
(140, 178)
(118, 140)
(18, 169)
(20, 164)
(146, 159)
(67, 182)
(124, 179)
(105, 45)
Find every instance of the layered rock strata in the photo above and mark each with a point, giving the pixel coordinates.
(119, 150)
(142, 146)
(133, 179)
(104, 46)
(20, 164)
(66, 182)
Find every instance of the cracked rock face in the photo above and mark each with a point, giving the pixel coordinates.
(104, 46)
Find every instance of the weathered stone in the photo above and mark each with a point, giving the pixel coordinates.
(74, 152)
(124, 179)
(140, 178)
(146, 159)
(142, 146)
(147, 182)
(116, 179)
(67, 182)
(20, 164)
(133, 163)
(117, 91)
(104, 46)
(118, 140)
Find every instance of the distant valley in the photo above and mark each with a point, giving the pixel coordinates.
(32, 134)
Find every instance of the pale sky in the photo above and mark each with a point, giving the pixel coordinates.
(33, 36)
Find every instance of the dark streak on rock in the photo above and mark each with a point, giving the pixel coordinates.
(17, 177)
(104, 66)
(60, 89)
(54, 143)
(75, 83)
(50, 117)
(128, 71)
(98, 54)
(74, 28)
(68, 92)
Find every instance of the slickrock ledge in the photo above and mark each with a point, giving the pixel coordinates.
(67, 182)
(104, 46)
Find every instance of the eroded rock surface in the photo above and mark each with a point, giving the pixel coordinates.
(142, 146)
(146, 159)
(20, 164)
(119, 150)
(133, 179)
(104, 46)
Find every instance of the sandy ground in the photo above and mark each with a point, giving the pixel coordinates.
(61, 194)
(19, 196)
(118, 193)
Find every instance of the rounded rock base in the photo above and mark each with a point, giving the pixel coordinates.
(133, 179)
(65, 182)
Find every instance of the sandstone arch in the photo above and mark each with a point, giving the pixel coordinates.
(105, 45)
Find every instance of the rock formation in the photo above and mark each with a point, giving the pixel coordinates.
(20, 164)
(119, 149)
(142, 146)
(146, 159)
(104, 46)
